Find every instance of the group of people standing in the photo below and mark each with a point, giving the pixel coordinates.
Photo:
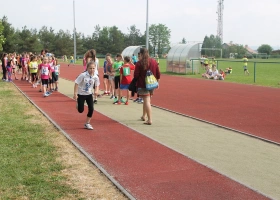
(117, 76)
(36, 69)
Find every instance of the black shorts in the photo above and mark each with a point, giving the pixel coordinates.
(106, 76)
(117, 80)
(55, 78)
(245, 70)
(45, 81)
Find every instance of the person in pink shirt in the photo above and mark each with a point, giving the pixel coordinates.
(44, 72)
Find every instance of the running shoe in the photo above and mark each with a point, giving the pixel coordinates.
(46, 94)
(117, 103)
(112, 97)
(88, 126)
(56, 89)
(95, 101)
(140, 100)
(123, 101)
(136, 100)
(126, 103)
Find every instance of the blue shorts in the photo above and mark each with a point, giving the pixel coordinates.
(124, 87)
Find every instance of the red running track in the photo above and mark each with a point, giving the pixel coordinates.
(145, 168)
(247, 108)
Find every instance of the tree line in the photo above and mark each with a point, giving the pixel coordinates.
(103, 39)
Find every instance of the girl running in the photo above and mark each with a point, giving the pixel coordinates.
(85, 83)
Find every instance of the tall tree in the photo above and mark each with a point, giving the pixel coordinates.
(133, 38)
(47, 38)
(8, 33)
(2, 38)
(116, 40)
(184, 41)
(64, 43)
(159, 38)
(265, 48)
(211, 44)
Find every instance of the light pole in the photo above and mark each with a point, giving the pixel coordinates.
(147, 26)
(74, 35)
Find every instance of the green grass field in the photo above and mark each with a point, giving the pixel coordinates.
(29, 169)
(266, 74)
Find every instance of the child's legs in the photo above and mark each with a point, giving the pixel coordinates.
(89, 100)
(44, 84)
(81, 101)
(127, 95)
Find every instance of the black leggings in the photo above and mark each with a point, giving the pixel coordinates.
(81, 101)
(4, 73)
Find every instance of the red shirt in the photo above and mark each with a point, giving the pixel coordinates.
(126, 80)
(140, 73)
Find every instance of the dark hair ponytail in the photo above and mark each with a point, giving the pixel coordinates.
(93, 54)
(144, 58)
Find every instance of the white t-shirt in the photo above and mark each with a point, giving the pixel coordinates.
(215, 73)
(86, 82)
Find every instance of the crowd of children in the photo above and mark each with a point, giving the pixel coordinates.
(41, 69)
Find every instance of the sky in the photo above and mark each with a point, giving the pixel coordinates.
(245, 22)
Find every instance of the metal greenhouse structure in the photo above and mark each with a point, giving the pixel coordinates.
(184, 58)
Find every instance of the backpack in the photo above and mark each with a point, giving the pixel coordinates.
(126, 71)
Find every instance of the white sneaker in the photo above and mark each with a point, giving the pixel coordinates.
(88, 126)
(46, 94)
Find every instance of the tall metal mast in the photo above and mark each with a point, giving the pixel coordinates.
(74, 35)
(220, 19)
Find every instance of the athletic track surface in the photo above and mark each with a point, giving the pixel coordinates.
(251, 109)
(149, 170)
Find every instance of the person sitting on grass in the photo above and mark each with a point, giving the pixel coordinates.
(208, 72)
(221, 75)
(215, 73)
(228, 70)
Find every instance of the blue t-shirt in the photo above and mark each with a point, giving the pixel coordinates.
(134, 59)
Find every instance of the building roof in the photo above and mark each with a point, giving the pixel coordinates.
(251, 51)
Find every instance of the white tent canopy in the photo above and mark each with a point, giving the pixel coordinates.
(182, 58)
(129, 51)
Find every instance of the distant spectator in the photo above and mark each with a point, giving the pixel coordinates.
(228, 70)
(208, 72)
(215, 73)
(245, 65)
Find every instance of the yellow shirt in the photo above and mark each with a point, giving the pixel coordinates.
(33, 67)
(245, 60)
